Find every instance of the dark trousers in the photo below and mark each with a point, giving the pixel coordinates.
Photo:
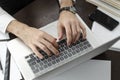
(12, 6)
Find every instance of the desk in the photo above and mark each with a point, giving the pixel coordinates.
(42, 12)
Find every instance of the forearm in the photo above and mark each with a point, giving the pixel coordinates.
(65, 3)
(15, 27)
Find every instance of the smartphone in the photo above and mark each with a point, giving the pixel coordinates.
(103, 19)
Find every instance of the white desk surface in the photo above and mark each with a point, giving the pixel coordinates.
(90, 70)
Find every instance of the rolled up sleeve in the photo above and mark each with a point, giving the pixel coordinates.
(5, 19)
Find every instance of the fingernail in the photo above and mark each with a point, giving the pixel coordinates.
(57, 46)
(55, 39)
(49, 54)
(75, 41)
(84, 37)
(59, 38)
(57, 53)
(41, 57)
(68, 44)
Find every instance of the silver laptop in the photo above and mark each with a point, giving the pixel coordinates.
(33, 68)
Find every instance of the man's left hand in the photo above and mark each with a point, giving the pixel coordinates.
(70, 25)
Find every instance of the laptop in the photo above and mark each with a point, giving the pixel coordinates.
(33, 68)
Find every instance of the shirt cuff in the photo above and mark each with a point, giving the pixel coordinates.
(5, 19)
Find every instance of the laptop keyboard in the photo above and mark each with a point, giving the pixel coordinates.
(67, 54)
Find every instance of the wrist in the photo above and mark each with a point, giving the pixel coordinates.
(66, 3)
(70, 9)
(17, 28)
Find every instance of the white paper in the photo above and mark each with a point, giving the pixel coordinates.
(105, 6)
(14, 72)
(90, 70)
(3, 50)
(1, 75)
(3, 36)
(104, 34)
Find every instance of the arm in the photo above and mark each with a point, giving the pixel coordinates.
(65, 3)
(69, 24)
(35, 39)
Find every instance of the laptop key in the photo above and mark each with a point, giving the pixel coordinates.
(70, 54)
(69, 50)
(49, 59)
(45, 66)
(36, 71)
(61, 58)
(32, 67)
(26, 57)
(33, 63)
(41, 63)
(53, 62)
(65, 56)
(49, 64)
(73, 53)
(41, 68)
(38, 60)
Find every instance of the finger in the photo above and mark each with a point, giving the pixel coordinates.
(44, 48)
(83, 30)
(68, 33)
(60, 31)
(50, 47)
(34, 49)
(74, 32)
(79, 32)
(51, 39)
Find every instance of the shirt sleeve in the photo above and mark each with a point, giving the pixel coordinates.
(5, 19)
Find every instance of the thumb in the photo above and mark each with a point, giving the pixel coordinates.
(60, 31)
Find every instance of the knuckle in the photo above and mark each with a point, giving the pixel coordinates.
(34, 50)
(75, 33)
(37, 54)
(53, 41)
(67, 22)
(36, 39)
(78, 22)
(72, 20)
(43, 48)
(78, 30)
(84, 28)
(69, 40)
(69, 33)
(50, 46)
(56, 51)
(42, 33)
(29, 45)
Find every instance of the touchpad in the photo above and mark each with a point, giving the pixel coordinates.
(90, 70)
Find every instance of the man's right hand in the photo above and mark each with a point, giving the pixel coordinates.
(34, 38)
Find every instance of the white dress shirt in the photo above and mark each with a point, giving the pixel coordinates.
(5, 19)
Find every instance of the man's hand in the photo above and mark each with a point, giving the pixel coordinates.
(70, 25)
(34, 38)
